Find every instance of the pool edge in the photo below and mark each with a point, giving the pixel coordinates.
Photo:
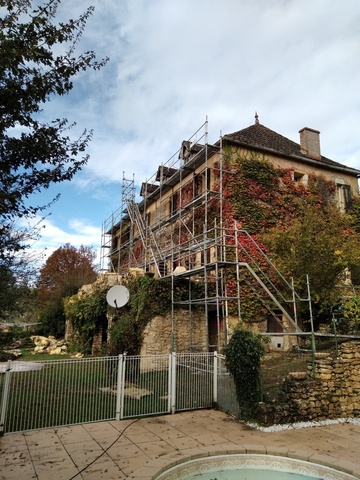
(154, 468)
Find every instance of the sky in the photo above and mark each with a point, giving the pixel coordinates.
(174, 63)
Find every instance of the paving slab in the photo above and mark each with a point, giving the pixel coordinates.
(139, 449)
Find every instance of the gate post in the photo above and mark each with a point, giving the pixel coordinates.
(120, 389)
(5, 398)
(173, 382)
(215, 378)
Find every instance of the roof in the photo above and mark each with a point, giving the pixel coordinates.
(260, 137)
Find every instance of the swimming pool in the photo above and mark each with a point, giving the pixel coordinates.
(251, 467)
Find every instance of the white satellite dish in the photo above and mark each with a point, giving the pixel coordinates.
(117, 296)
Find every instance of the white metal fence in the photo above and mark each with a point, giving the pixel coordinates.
(51, 393)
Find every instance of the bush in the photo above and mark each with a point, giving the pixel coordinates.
(243, 354)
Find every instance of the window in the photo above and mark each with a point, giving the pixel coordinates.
(344, 200)
(300, 178)
(162, 268)
(207, 175)
(273, 326)
(206, 256)
(347, 197)
(198, 188)
(174, 203)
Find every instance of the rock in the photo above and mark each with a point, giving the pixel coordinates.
(14, 352)
(57, 351)
(40, 349)
(298, 375)
(50, 345)
(40, 341)
(78, 355)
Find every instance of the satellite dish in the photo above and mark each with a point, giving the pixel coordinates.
(117, 296)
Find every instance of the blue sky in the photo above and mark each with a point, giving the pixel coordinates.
(174, 62)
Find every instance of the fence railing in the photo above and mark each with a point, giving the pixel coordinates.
(52, 393)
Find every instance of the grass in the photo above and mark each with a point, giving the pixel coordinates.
(276, 366)
(193, 391)
(59, 393)
(29, 355)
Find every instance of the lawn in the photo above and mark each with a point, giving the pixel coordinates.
(72, 391)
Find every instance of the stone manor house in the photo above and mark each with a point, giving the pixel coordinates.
(177, 231)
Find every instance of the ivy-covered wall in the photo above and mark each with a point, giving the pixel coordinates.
(86, 317)
(296, 223)
(260, 195)
(145, 324)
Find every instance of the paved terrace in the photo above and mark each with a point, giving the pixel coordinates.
(140, 449)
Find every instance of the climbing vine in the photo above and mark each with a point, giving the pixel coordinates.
(352, 310)
(267, 202)
(148, 297)
(85, 314)
(263, 196)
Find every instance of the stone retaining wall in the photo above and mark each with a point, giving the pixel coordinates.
(332, 392)
(188, 330)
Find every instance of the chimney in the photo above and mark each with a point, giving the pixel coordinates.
(310, 142)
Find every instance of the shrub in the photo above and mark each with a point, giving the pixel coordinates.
(243, 354)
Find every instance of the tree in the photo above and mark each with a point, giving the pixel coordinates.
(64, 272)
(7, 286)
(18, 298)
(37, 61)
(321, 243)
(17, 272)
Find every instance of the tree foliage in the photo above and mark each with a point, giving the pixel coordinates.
(352, 310)
(320, 243)
(17, 273)
(38, 60)
(63, 273)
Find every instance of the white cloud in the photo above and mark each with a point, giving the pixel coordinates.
(174, 63)
(77, 232)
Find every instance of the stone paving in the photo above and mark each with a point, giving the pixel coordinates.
(141, 449)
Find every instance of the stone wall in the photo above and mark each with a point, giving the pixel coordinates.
(332, 392)
(157, 336)
(189, 328)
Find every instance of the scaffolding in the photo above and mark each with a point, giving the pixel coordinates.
(178, 231)
(117, 234)
(134, 222)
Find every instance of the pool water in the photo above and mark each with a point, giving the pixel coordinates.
(251, 467)
(246, 474)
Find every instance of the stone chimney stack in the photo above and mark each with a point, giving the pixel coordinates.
(310, 142)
